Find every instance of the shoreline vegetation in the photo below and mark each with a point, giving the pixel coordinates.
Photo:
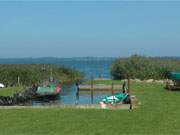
(27, 75)
(144, 68)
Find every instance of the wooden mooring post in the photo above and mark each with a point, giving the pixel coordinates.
(77, 93)
(129, 81)
(128, 90)
(112, 88)
(92, 94)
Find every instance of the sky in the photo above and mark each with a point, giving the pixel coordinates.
(89, 28)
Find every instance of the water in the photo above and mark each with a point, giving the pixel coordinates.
(68, 96)
(90, 67)
(96, 67)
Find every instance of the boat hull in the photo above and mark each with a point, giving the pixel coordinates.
(47, 96)
(51, 91)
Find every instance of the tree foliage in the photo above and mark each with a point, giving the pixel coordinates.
(142, 67)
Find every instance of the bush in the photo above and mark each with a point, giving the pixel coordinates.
(143, 67)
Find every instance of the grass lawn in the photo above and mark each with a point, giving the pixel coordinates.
(159, 114)
(104, 82)
(10, 91)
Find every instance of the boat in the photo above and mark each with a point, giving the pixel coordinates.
(116, 98)
(173, 82)
(116, 101)
(174, 76)
(50, 90)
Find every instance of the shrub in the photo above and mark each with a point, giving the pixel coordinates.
(143, 67)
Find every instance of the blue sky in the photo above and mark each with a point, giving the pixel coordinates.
(78, 29)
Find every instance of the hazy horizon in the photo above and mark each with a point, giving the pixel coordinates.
(89, 29)
(87, 57)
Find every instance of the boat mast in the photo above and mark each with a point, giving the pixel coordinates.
(51, 75)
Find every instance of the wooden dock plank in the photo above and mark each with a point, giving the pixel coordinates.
(99, 87)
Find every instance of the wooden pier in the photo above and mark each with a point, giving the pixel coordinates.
(99, 88)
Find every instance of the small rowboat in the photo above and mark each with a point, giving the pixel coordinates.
(116, 98)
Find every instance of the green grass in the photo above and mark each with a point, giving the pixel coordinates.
(105, 82)
(10, 91)
(159, 114)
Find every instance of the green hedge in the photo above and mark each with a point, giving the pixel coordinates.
(142, 67)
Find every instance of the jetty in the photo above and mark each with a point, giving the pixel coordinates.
(99, 88)
(113, 88)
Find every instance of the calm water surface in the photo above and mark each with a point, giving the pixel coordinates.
(97, 68)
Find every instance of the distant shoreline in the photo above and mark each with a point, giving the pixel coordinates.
(82, 58)
(54, 60)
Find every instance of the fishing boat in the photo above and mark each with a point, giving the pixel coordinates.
(50, 90)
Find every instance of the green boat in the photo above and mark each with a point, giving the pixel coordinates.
(116, 98)
(174, 76)
(174, 84)
(51, 90)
